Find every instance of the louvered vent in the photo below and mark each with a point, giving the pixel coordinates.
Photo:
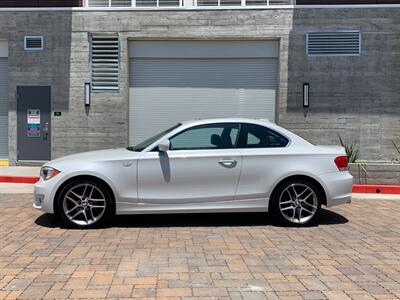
(345, 43)
(33, 43)
(105, 62)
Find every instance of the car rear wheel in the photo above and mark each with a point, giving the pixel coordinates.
(84, 204)
(297, 202)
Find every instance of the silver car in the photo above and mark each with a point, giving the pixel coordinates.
(216, 165)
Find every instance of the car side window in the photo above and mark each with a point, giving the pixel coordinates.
(256, 136)
(210, 136)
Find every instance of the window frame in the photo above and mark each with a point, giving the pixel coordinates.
(240, 144)
(222, 124)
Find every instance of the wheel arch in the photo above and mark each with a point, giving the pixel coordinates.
(83, 177)
(302, 177)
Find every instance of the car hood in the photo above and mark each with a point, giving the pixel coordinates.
(80, 159)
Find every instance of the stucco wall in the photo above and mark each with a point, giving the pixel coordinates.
(357, 97)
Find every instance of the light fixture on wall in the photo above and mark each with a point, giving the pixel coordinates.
(306, 99)
(87, 94)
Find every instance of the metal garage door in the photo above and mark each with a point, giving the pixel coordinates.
(3, 100)
(175, 81)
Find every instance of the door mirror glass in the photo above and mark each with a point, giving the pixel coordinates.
(164, 146)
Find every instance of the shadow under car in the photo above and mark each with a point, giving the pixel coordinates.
(326, 217)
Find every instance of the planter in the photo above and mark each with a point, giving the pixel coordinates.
(375, 173)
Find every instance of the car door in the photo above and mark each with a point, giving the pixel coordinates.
(201, 166)
(265, 159)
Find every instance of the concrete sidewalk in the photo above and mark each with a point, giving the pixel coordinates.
(20, 171)
(16, 188)
(358, 196)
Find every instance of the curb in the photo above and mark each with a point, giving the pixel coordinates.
(18, 179)
(376, 189)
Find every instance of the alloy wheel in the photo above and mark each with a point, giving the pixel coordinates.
(298, 203)
(84, 204)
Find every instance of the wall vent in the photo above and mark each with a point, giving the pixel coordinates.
(337, 43)
(104, 58)
(33, 43)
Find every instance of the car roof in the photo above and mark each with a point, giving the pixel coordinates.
(224, 120)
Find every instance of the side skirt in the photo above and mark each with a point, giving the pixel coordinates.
(253, 205)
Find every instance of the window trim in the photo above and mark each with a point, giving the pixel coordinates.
(41, 37)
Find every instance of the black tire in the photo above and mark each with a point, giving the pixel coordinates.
(99, 191)
(281, 195)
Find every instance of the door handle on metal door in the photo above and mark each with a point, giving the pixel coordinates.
(45, 130)
(228, 162)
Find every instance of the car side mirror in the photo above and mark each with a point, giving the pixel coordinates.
(164, 146)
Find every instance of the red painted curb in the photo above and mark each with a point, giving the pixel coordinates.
(19, 179)
(376, 189)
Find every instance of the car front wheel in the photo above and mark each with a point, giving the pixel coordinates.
(84, 204)
(297, 202)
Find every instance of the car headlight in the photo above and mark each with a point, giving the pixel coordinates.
(47, 173)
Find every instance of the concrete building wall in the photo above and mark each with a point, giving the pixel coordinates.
(105, 124)
(49, 67)
(353, 96)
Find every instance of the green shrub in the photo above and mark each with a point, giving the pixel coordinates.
(352, 150)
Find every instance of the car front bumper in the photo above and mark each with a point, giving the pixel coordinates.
(44, 193)
(338, 187)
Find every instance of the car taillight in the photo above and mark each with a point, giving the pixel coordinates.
(342, 163)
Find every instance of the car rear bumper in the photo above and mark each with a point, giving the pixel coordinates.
(338, 186)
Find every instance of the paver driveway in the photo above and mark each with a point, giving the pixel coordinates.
(353, 253)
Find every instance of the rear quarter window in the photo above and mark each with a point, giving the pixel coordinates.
(257, 136)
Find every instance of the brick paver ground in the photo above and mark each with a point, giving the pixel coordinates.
(354, 253)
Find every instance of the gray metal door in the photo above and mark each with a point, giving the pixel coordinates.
(3, 108)
(34, 121)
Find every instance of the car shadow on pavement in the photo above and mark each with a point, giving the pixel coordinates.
(326, 217)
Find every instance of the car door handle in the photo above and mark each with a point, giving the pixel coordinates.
(228, 162)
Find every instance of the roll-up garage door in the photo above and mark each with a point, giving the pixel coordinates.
(3, 100)
(175, 81)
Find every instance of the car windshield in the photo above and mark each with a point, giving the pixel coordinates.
(143, 145)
